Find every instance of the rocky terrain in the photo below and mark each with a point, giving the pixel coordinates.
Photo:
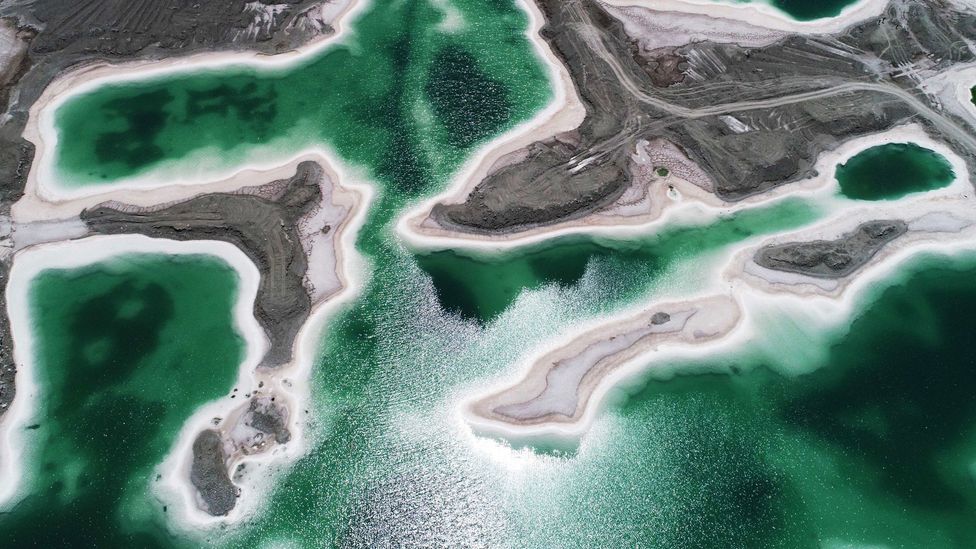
(753, 117)
(53, 36)
(41, 39)
(262, 222)
(262, 424)
(209, 475)
(832, 258)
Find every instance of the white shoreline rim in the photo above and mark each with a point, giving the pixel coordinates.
(762, 14)
(188, 519)
(74, 254)
(42, 183)
(565, 113)
(835, 310)
(818, 186)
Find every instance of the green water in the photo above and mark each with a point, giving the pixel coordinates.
(483, 287)
(806, 10)
(872, 447)
(398, 95)
(128, 348)
(809, 10)
(891, 171)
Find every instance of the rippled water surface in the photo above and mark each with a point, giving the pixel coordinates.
(813, 436)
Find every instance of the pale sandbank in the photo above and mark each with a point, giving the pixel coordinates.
(552, 401)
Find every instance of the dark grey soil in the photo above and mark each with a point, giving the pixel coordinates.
(270, 418)
(660, 318)
(860, 73)
(832, 258)
(8, 369)
(209, 474)
(69, 33)
(263, 228)
(61, 34)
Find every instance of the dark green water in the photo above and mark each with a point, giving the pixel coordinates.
(876, 447)
(871, 448)
(127, 350)
(891, 171)
(397, 96)
(809, 10)
(483, 287)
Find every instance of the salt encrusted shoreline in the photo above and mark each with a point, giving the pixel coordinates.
(421, 232)
(564, 113)
(940, 221)
(78, 253)
(761, 14)
(44, 197)
(682, 200)
(288, 383)
(175, 487)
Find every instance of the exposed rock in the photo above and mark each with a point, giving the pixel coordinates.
(263, 228)
(269, 418)
(790, 99)
(209, 474)
(832, 258)
(44, 38)
(251, 430)
(63, 34)
(8, 369)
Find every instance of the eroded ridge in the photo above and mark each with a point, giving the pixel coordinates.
(753, 110)
(290, 229)
(296, 233)
(47, 38)
(279, 225)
